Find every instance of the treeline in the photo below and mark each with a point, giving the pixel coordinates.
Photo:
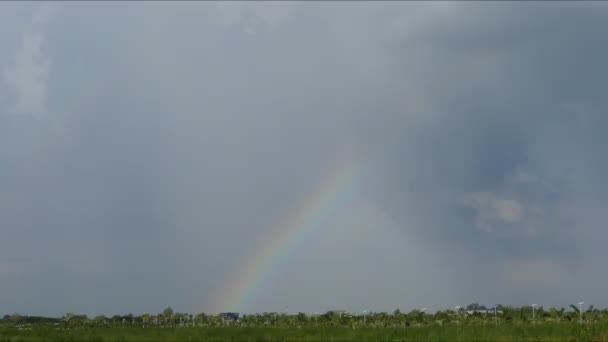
(20, 319)
(470, 315)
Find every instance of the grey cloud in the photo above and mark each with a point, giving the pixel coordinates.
(29, 75)
(171, 147)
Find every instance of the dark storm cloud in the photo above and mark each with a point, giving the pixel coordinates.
(500, 82)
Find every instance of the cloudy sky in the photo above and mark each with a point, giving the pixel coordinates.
(144, 146)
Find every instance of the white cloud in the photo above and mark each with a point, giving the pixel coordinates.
(252, 16)
(525, 207)
(29, 75)
(491, 207)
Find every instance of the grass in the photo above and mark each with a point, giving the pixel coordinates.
(541, 332)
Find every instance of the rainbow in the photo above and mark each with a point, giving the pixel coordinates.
(301, 222)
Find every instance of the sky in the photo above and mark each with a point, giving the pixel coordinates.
(149, 150)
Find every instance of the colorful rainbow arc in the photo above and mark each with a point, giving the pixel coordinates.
(304, 220)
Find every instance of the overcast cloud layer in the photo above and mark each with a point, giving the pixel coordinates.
(143, 146)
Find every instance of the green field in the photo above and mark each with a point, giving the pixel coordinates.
(508, 324)
(544, 332)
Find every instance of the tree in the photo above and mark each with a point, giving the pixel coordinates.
(145, 318)
(15, 318)
(168, 312)
(100, 319)
(68, 316)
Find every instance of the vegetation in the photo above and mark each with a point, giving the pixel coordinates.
(475, 324)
